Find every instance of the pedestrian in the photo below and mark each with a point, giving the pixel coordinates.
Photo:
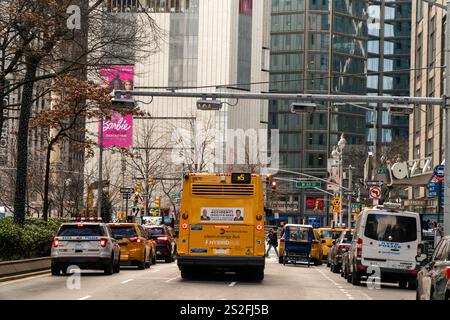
(272, 242)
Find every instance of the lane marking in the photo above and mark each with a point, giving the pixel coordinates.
(84, 298)
(173, 279)
(232, 284)
(157, 270)
(126, 281)
(349, 296)
(24, 279)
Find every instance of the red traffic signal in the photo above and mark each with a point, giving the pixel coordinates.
(274, 185)
(268, 179)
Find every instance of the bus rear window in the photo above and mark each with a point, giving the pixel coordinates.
(393, 228)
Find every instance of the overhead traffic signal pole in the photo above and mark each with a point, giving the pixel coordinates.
(400, 102)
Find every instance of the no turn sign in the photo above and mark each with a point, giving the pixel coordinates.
(375, 193)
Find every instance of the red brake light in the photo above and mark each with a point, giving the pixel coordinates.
(184, 226)
(359, 247)
(135, 239)
(55, 243)
(103, 242)
(259, 227)
(447, 273)
(162, 238)
(80, 225)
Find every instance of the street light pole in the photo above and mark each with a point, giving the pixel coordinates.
(100, 171)
(447, 126)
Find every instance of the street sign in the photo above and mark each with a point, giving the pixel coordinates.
(126, 190)
(308, 184)
(382, 170)
(175, 196)
(438, 173)
(433, 188)
(356, 206)
(375, 193)
(349, 193)
(336, 202)
(374, 183)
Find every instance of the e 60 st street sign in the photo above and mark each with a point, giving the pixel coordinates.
(308, 184)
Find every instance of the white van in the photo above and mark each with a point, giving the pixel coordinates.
(388, 240)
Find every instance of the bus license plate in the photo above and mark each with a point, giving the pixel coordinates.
(220, 251)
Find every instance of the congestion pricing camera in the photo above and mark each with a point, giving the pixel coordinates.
(303, 107)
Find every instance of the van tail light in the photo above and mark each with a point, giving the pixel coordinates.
(359, 248)
(259, 227)
(55, 243)
(420, 249)
(135, 239)
(103, 242)
(447, 273)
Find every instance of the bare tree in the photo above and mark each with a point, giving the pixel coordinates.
(35, 43)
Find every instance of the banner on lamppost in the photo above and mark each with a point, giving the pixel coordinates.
(118, 130)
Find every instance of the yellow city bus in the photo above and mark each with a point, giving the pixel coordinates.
(222, 224)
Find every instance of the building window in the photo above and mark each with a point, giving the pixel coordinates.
(432, 42)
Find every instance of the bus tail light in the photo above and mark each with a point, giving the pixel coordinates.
(184, 226)
(259, 227)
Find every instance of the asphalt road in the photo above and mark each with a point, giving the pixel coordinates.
(163, 281)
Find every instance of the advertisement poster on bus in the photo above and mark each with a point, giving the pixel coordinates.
(222, 214)
(118, 129)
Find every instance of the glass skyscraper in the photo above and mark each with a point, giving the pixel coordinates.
(389, 51)
(317, 46)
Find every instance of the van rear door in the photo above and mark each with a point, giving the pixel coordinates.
(390, 240)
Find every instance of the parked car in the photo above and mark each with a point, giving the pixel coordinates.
(166, 245)
(136, 246)
(327, 235)
(387, 238)
(87, 244)
(344, 268)
(433, 280)
(340, 246)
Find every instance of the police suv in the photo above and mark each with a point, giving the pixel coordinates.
(386, 244)
(86, 244)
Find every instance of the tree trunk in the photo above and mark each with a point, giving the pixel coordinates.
(45, 205)
(22, 141)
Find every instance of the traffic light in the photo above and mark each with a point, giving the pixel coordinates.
(138, 187)
(267, 179)
(158, 202)
(90, 199)
(316, 206)
(274, 185)
(136, 198)
(150, 181)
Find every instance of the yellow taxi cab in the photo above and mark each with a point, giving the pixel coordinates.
(316, 248)
(136, 247)
(326, 237)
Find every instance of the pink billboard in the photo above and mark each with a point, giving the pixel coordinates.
(118, 77)
(118, 130)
